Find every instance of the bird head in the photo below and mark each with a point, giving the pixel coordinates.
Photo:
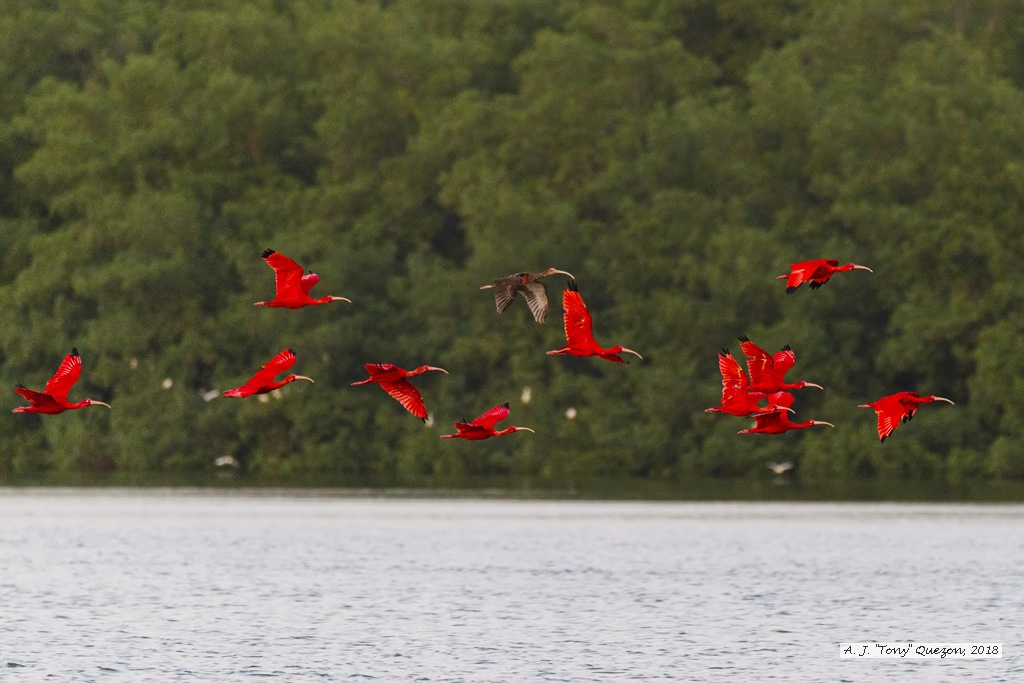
(552, 271)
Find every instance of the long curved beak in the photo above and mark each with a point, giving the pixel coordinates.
(856, 267)
(812, 384)
(564, 272)
(304, 377)
(625, 350)
(340, 298)
(487, 287)
(865, 405)
(430, 367)
(525, 429)
(939, 398)
(101, 403)
(822, 422)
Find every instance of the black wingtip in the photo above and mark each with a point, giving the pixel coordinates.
(743, 338)
(423, 419)
(20, 386)
(724, 352)
(787, 347)
(290, 351)
(505, 405)
(790, 290)
(267, 252)
(883, 439)
(573, 287)
(74, 350)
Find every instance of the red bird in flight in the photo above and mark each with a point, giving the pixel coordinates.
(579, 331)
(54, 398)
(898, 408)
(263, 381)
(527, 284)
(817, 272)
(768, 373)
(483, 426)
(778, 422)
(292, 286)
(737, 399)
(395, 381)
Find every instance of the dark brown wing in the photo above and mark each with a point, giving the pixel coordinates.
(505, 291)
(536, 295)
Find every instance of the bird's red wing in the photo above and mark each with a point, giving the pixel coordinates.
(782, 399)
(772, 419)
(783, 362)
(271, 369)
(37, 398)
(536, 295)
(579, 325)
(733, 376)
(800, 273)
(60, 384)
(470, 428)
(758, 362)
(405, 393)
(379, 368)
(491, 417)
(287, 275)
(306, 282)
(890, 413)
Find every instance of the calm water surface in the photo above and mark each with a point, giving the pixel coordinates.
(188, 586)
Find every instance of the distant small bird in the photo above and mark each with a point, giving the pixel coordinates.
(579, 330)
(778, 422)
(895, 409)
(227, 461)
(54, 398)
(394, 380)
(816, 272)
(483, 426)
(767, 372)
(527, 284)
(292, 286)
(263, 381)
(780, 467)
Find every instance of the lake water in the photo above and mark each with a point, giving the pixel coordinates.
(101, 585)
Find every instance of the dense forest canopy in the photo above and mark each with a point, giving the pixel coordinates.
(675, 155)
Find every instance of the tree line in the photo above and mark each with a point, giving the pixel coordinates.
(675, 155)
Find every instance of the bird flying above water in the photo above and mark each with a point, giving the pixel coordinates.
(895, 409)
(767, 372)
(292, 287)
(579, 331)
(527, 284)
(263, 381)
(816, 272)
(53, 399)
(483, 426)
(395, 381)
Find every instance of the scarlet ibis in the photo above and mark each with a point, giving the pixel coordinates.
(483, 426)
(292, 286)
(737, 399)
(54, 398)
(263, 381)
(394, 380)
(898, 408)
(817, 272)
(527, 284)
(768, 373)
(778, 422)
(579, 332)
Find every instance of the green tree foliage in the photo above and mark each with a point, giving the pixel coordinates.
(675, 155)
